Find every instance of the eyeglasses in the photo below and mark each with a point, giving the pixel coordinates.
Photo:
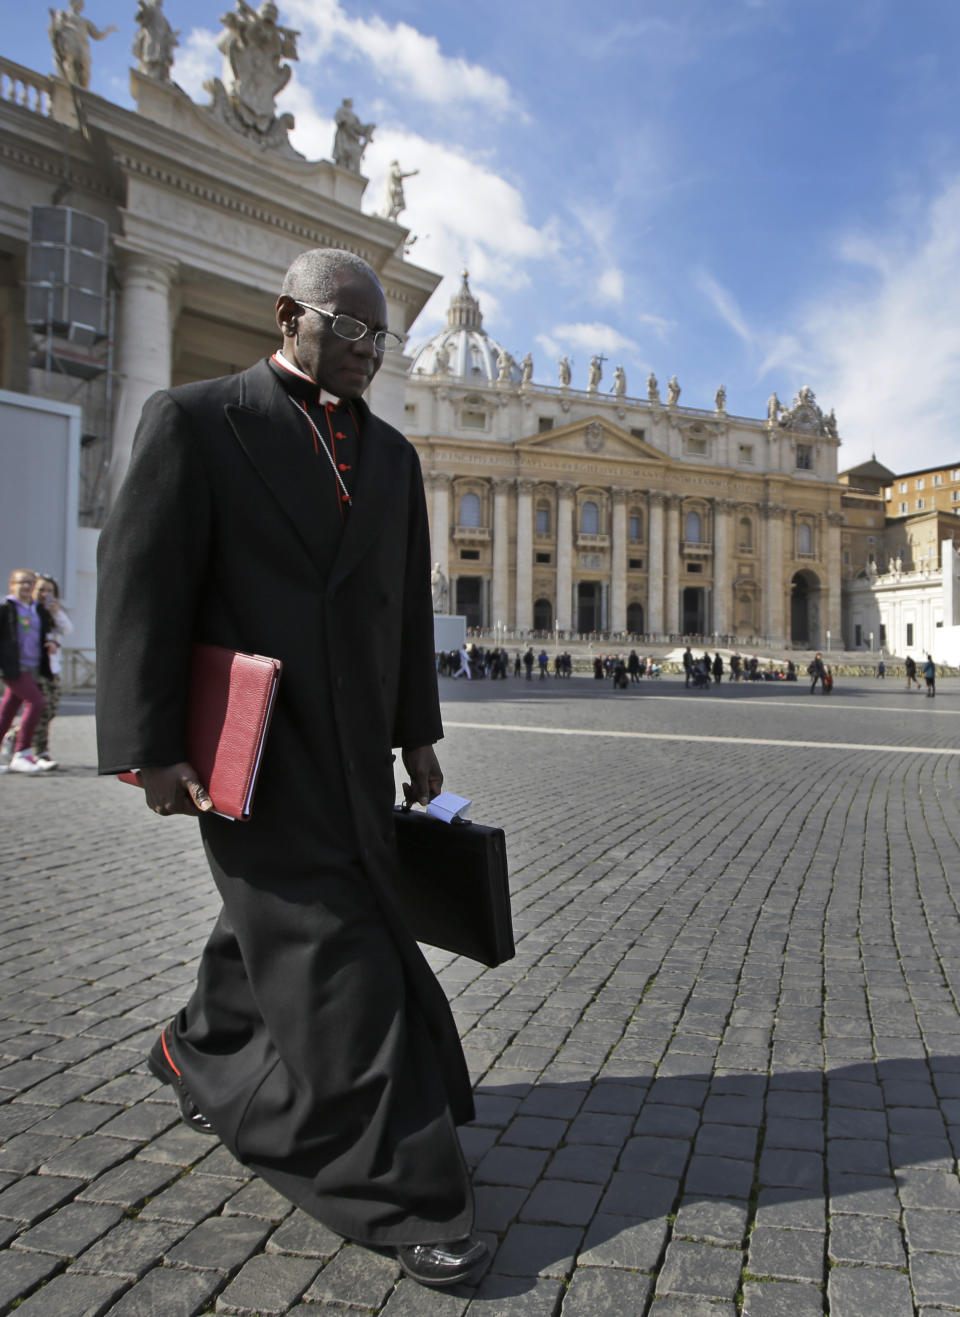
(354, 330)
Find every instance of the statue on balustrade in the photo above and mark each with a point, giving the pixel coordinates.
(153, 45)
(720, 401)
(563, 367)
(595, 374)
(70, 35)
(351, 138)
(441, 360)
(505, 365)
(673, 391)
(653, 388)
(619, 382)
(526, 369)
(396, 201)
(774, 407)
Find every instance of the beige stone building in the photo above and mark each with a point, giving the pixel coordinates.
(554, 508)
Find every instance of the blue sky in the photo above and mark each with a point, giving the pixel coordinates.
(758, 193)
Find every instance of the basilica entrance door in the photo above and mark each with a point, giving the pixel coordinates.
(588, 605)
(694, 622)
(805, 611)
(470, 599)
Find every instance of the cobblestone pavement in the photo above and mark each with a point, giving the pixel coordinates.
(721, 1075)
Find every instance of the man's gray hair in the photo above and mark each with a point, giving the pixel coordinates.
(314, 274)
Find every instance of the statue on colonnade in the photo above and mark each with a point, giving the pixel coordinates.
(653, 388)
(351, 138)
(673, 391)
(619, 382)
(153, 45)
(395, 200)
(70, 35)
(563, 369)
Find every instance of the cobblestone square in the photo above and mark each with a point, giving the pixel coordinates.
(722, 1074)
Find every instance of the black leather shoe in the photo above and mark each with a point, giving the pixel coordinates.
(442, 1264)
(162, 1067)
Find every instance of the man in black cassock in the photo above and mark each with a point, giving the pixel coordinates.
(272, 512)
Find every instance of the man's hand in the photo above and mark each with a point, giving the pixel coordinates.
(426, 776)
(175, 789)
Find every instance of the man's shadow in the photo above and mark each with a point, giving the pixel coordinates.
(593, 1173)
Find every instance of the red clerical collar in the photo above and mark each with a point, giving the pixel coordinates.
(280, 360)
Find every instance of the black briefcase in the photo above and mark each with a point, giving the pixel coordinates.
(452, 883)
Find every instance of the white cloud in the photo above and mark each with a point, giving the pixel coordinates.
(887, 355)
(595, 337)
(610, 284)
(197, 59)
(724, 304)
(464, 214)
(410, 60)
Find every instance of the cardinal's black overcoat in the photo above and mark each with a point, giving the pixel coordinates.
(317, 1040)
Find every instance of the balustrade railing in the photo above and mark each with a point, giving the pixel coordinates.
(23, 87)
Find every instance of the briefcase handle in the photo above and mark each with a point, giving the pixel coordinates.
(406, 807)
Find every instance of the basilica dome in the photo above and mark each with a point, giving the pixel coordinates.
(463, 349)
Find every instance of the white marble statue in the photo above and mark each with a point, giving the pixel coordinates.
(673, 391)
(720, 401)
(653, 388)
(395, 200)
(253, 46)
(774, 407)
(438, 584)
(351, 138)
(505, 365)
(526, 369)
(153, 45)
(70, 35)
(441, 360)
(595, 374)
(619, 382)
(563, 369)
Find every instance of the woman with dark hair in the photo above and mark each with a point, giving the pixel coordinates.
(46, 592)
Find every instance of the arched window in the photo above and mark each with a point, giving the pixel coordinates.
(745, 540)
(543, 518)
(590, 518)
(804, 538)
(635, 524)
(692, 533)
(470, 510)
(543, 615)
(635, 619)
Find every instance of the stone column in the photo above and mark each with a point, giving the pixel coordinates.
(721, 566)
(143, 347)
(524, 611)
(565, 615)
(671, 611)
(655, 565)
(773, 576)
(618, 562)
(832, 559)
(440, 525)
(500, 598)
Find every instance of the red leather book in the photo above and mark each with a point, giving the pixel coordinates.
(231, 702)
